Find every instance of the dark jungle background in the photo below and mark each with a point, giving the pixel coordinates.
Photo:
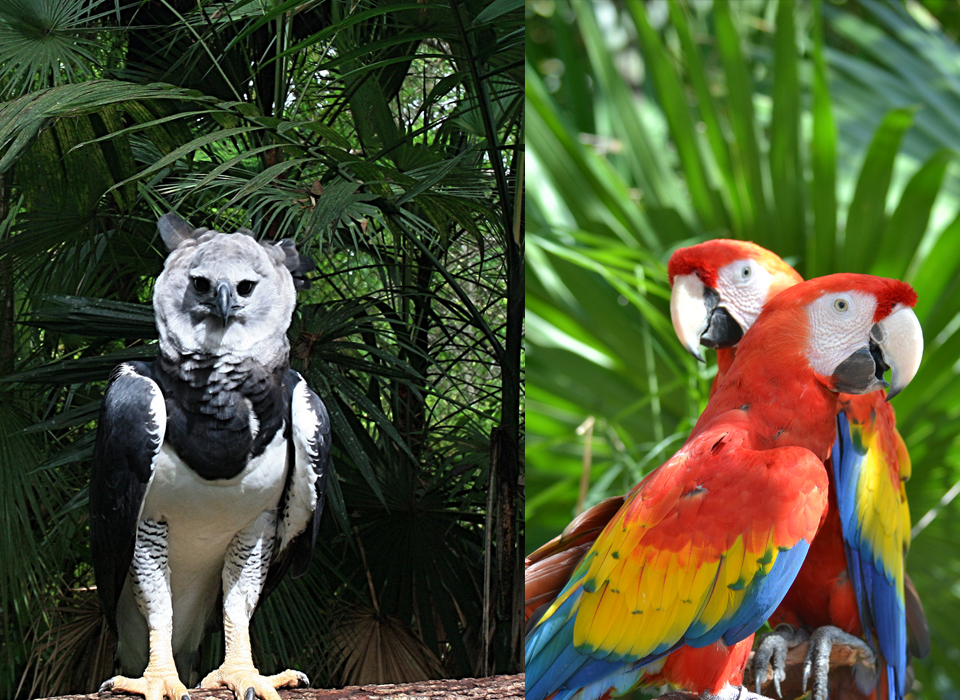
(385, 137)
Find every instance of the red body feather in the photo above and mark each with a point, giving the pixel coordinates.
(711, 667)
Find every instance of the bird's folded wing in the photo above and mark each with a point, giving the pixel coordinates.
(133, 419)
(303, 495)
(548, 568)
(704, 548)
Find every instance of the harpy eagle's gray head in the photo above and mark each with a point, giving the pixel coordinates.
(225, 294)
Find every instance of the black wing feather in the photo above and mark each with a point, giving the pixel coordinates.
(128, 441)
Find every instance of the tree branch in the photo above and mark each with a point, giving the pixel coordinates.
(493, 688)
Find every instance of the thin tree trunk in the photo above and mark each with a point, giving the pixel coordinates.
(412, 412)
(509, 599)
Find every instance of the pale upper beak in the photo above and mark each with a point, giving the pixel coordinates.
(895, 343)
(688, 311)
(900, 340)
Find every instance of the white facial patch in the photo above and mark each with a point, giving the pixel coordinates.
(840, 324)
(743, 286)
(262, 292)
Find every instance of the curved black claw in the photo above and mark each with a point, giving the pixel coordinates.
(302, 679)
(817, 660)
(107, 686)
(772, 653)
(251, 694)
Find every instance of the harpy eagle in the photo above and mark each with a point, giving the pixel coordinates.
(210, 465)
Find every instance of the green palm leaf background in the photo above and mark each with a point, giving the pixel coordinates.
(384, 137)
(825, 131)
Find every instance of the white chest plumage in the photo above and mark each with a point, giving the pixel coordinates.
(202, 518)
(220, 508)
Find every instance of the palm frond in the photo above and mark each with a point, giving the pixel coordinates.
(698, 127)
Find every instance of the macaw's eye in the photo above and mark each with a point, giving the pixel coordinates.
(841, 305)
(746, 272)
(201, 284)
(245, 288)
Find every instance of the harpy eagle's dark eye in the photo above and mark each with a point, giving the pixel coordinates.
(201, 284)
(245, 288)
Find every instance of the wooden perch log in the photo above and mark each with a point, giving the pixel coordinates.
(841, 659)
(493, 688)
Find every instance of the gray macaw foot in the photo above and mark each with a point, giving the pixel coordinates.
(772, 654)
(817, 660)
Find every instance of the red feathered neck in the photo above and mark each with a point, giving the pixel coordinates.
(771, 362)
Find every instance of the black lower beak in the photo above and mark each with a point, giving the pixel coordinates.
(722, 331)
(224, 301)
(862, 372)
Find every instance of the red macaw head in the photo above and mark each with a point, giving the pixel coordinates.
(849, 328)
(719, 289)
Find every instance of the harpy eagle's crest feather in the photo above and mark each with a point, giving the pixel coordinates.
(174, 231)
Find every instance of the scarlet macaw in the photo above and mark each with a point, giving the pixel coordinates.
(705, 547)
(548, 568)
(853, 581)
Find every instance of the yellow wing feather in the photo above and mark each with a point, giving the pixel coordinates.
(663, 565)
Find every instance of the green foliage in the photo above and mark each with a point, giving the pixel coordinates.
(384, 138)
(824, 132)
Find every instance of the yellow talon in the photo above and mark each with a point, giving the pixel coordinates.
(155, 684)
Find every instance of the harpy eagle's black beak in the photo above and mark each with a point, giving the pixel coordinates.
(224, 305)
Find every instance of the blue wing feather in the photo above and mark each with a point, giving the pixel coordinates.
(554, 664)
(765, 595)
(879, 590)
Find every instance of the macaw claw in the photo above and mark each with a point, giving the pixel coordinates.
(772, 653)
(817, 660)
